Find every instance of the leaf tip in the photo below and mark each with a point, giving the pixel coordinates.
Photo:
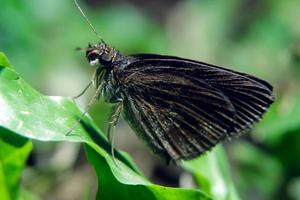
(4, 62)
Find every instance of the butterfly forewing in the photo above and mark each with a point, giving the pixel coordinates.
(249, 95)
(183, 108)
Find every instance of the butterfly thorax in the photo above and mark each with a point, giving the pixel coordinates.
(111, 89)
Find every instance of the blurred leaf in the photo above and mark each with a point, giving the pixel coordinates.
(25, 195)
(294, 189)
(26, 112)
(202, 26)
(256, 168)
(12, 161)
(283, 117)
(147, 37)
(212, 174)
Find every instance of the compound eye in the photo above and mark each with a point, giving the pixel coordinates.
(93, 58)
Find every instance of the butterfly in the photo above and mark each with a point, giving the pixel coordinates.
(179, 107)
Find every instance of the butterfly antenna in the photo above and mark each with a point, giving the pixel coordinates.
(88, 21)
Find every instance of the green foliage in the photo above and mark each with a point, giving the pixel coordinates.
(212, 173)
(269, 167)
(130, 187)
(14, 151)
(12, 161)
(278, 122)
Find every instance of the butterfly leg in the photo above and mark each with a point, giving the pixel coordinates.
(83, 91)
(88, 107)
(87, 87)
(116, 113)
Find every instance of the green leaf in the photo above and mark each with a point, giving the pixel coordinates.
(4, 61)
(13, 155)
(111, 188)
(212, 174)
(26, 112)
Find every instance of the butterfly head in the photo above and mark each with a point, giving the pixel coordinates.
(100, 53)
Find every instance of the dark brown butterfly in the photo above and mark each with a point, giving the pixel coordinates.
(179, 107)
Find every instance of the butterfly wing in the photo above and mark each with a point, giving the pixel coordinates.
(250, 96)
(182, 108)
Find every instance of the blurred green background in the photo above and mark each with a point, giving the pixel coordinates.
(260, 37)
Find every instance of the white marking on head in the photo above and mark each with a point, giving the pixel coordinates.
(94, 62)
